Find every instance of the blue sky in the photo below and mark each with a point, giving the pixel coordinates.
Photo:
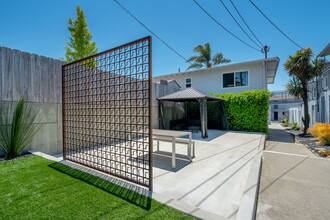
(40, 27)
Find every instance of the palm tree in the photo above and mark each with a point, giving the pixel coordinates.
(204, 58)
(294, 87)
(301, 67)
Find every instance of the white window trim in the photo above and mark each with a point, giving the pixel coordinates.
(248, 72)
(185, 82)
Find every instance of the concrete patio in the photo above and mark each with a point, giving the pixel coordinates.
(214, 181)
(214, 185)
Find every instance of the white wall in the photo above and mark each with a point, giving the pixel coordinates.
(210, 80)
(295, 115)
(316, 116)
(284, 107)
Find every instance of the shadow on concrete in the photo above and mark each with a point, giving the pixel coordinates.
(212, 134)
(282, 175)
(279, 135)
(163, 160)
(133, 194)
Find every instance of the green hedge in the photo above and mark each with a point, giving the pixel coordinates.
(247, 111)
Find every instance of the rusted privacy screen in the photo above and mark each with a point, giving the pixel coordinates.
(107, 112)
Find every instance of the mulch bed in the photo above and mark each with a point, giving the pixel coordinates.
(26, 154)
(307, 140)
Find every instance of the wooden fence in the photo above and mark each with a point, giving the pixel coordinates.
(39, 80)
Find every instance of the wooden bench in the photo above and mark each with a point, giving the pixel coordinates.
(178, 141)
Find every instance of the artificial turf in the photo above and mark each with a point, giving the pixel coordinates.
(35, 188)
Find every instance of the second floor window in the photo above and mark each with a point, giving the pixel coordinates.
(188, 82)
(235, 79)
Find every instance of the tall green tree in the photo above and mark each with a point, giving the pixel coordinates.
(304, 69)
(80, 43)
(204, 58)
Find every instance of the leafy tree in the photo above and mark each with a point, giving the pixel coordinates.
(301, 66)
(204, 58)
(80, 43)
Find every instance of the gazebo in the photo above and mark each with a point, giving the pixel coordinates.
(192, 95)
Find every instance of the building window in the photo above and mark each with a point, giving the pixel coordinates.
(241, 78)
(235, 79)
(188, 82)
(228, 80)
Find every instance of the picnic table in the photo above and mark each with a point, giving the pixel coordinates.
(173, 137)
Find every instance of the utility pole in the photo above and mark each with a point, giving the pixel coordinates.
(265, 50)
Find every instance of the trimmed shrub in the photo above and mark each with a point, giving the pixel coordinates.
(248, 110)
(295, 126)
(324, 153)
(322, 132)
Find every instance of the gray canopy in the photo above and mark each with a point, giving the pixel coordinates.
(192, 95)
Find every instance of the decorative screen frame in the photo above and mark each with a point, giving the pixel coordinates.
(107, 118)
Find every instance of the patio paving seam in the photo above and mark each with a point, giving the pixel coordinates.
(297, 155)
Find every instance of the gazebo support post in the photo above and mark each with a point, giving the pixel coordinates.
(203, 113)
(161, 114)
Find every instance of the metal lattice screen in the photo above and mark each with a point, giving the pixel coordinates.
(107, 112)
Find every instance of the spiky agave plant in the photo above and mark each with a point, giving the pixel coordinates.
(18, 128)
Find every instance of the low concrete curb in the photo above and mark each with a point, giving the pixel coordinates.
(248, 207)
(47, 156)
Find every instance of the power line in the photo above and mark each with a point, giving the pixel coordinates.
(218, 23)
(239, 24)
(275, 25)
(140, 22)
(245, 22)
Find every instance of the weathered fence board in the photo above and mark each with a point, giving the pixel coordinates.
(58, 81)
(36, 80)
(8, 75)
(51, 67)
(25, 73)
(17, 91)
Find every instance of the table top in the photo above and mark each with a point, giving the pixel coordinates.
(170, 133)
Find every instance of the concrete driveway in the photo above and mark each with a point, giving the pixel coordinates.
(214, 182)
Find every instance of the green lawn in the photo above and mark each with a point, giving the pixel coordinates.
(35, 188)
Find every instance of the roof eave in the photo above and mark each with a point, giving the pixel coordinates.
(271, 72)
(325, 51)
(216, 67)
